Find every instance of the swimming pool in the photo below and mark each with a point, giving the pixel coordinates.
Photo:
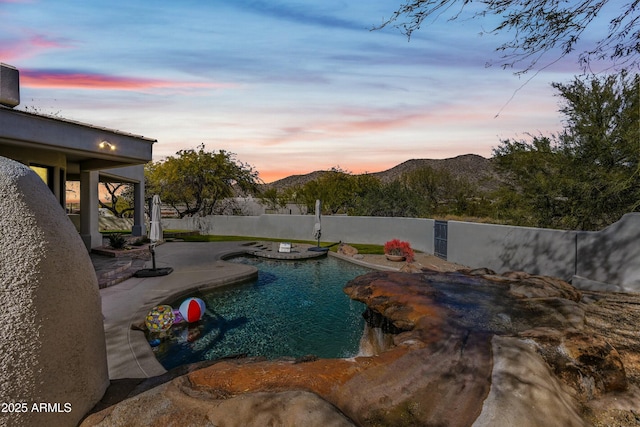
(294, 308)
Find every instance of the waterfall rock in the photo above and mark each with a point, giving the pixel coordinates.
(467, 349)
(53, 346)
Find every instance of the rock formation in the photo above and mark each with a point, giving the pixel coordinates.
(459, 349)
(347, 250)
(53, 347)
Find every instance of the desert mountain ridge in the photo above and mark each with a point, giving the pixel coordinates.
(472, 167)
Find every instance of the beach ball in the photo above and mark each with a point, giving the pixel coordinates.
(192, 309)
(160, 318)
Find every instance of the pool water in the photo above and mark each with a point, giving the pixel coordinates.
(294, 308)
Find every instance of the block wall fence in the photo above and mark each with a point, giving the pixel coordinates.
(604, 260)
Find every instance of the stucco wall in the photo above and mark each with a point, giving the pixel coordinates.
(605, 260)
(611, 255)
(375, 230)
(502, 248)
(53, 344)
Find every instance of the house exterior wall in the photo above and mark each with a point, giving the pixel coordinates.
(38, 157)
(40, 132)
(135, 176)
(73, 151)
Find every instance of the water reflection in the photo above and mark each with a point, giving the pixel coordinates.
(293, 309)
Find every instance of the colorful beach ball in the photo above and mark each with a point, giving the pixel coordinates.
(192, 309)
(160, 318)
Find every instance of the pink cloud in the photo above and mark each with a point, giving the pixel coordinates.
(11, 53)
(361, 122)
(43, 42)
(377, 124)
(80, 80)
(30, 46)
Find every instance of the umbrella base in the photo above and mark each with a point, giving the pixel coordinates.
(153, 272)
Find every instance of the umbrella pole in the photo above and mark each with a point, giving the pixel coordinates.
(153, 272)
(153, 255)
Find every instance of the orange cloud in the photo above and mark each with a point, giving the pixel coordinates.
(79, 80)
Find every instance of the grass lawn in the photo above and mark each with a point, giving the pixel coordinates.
(362, 248)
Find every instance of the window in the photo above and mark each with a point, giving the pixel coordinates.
(45, 173)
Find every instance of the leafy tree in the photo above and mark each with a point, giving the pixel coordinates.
(297, 195)
(424, 192)
(531, 195)
(538, 26)
(363, 185)
(393, 199)
(601, 142)
(194, 181)
(339, 190)
(441, 192)
(274, 198)
(120, 198)
(587, 176)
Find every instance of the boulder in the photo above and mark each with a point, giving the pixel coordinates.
(347, 250)
(53, 341)
(451, 349)
(410, 267)
(176, 403)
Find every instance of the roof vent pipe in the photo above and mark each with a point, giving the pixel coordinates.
(9, 86)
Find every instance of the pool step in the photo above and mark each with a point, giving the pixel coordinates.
(119, 271)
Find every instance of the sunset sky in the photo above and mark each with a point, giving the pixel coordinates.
(290, 86)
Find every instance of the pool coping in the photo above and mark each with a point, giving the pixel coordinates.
(129, 354)
(140, 348)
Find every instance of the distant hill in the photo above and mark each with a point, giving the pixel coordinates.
(295, 180)
(474, 168)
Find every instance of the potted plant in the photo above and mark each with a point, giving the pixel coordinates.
(396, 250)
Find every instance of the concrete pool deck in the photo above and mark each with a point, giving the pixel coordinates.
(196, 266)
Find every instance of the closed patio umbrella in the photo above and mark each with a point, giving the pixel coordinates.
(317, 231)
(155, 235)
(155, 232)
(317, 228)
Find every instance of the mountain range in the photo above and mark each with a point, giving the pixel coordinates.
(472, 167)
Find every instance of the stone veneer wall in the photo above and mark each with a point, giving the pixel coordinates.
(52, 340)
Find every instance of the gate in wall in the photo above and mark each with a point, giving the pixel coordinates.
(440, 239)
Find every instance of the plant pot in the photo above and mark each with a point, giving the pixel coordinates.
(394, 257)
